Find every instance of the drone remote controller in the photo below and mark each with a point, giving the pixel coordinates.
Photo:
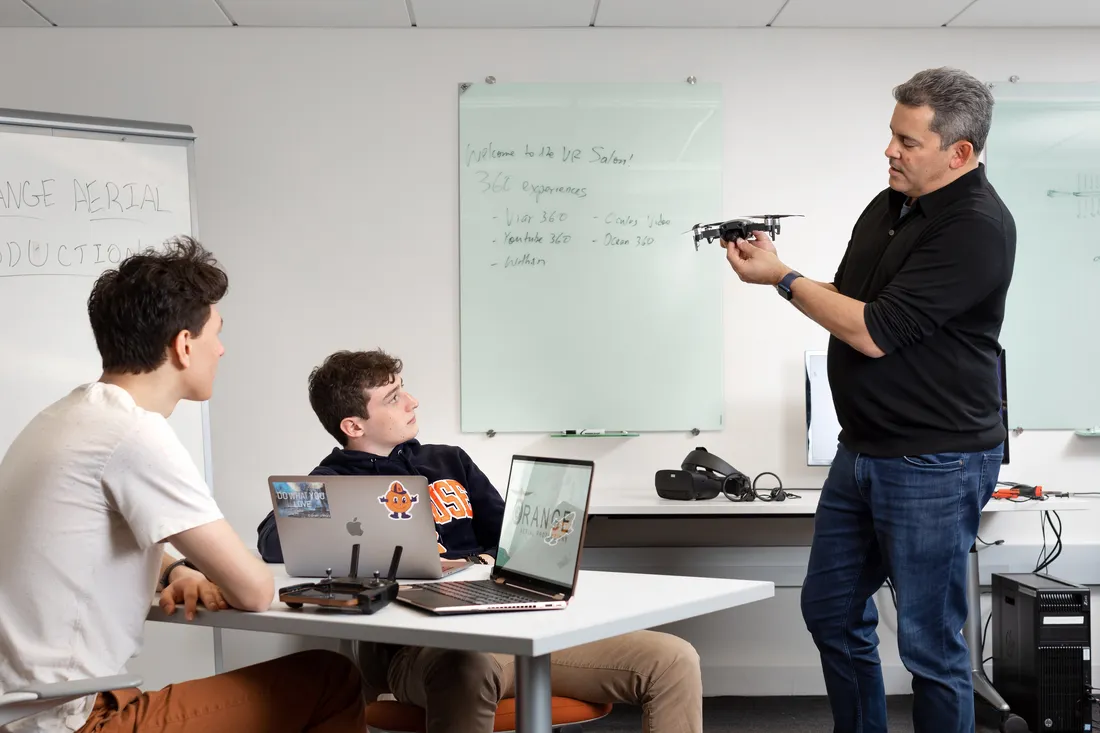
(354, 594)
(734, 229)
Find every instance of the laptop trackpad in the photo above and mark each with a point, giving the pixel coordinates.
(426, 599)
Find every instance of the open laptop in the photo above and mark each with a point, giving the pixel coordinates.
(320, 518)
(545, 508)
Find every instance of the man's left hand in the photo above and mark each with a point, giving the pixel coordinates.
(755, 264)
(189, 589)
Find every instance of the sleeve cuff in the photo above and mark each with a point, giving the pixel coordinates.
(879, 333)
(170, 528)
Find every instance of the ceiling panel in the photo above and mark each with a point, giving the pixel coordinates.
(869, 13)
(130, 13)
(686, 13)
(17, 13)
(319, 13)
(1030, 14)
(502, 13)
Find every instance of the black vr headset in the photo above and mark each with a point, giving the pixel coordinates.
(704, 475)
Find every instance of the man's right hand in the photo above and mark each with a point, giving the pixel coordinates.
(190, 590)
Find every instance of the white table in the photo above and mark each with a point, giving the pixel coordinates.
(605, 605)
(644, 503)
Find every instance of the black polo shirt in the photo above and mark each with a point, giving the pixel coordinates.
(934, 283)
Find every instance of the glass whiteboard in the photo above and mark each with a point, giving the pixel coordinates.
(584, 304)
(1043, 158)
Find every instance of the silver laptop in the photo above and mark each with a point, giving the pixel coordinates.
(545, 508)
(320, 519)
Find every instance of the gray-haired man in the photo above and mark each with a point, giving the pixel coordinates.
(915, 313)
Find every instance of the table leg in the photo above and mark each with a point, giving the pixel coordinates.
(219, 657)
(973, 635)
(533, 694)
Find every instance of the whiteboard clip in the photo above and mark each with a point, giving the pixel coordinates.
(695, 431)
(691, 80)
(490, 433)
(490, 80)
(464, 86)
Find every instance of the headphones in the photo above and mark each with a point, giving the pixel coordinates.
(709, 476)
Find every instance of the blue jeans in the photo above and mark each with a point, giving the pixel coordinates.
(912, 520)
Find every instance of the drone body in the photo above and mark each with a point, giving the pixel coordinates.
(734, 229)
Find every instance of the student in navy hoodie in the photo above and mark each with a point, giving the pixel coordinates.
(360, 399)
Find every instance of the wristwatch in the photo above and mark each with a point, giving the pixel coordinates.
(168, 571)
(784, 286)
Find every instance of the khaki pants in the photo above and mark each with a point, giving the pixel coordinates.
(459, 691)
(309, 691)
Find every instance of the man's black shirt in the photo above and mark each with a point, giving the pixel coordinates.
(934, 284)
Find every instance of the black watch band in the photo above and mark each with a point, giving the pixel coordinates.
(784, 285)
(168, 571)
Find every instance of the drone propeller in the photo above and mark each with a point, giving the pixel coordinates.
(772, 216)
(701, 226)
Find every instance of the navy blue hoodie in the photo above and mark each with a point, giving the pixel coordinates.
(467, 507)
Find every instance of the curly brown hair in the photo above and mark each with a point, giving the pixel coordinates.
(340, 387)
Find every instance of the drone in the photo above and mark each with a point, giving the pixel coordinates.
(734, 229)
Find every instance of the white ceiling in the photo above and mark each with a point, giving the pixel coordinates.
(553, 13)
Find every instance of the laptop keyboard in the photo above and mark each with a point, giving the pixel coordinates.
(481, 592)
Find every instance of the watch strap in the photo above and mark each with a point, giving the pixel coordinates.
(784, 286)
(164, 582)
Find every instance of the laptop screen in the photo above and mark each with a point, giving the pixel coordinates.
(544, 512)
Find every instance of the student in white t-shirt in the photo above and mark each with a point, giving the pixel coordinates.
(91, 492)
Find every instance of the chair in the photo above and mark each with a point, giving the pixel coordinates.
(37, 698)
(388, 716)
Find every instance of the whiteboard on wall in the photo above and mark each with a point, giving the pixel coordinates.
(584, 304)
(1043, 158)
(76, 196)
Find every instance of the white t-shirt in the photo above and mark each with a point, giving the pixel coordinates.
(88, 491)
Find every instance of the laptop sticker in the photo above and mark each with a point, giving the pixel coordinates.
(302, 499)
(398, 501)
(560, 529)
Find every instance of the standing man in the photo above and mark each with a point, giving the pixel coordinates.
(915, 313)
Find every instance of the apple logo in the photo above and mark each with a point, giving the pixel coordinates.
(355, 527)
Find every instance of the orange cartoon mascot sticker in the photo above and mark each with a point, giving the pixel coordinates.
(560, 529)
(398, 501)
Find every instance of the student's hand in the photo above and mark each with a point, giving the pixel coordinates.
(189, 589)
(754, 263)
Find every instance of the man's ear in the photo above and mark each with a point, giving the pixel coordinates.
(964, 151)
(351, 427)
(180, 349)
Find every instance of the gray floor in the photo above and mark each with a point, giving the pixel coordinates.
(772, 715)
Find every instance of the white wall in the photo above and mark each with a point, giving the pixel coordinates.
(327, 185)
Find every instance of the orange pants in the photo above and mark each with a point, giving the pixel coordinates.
(309, 691)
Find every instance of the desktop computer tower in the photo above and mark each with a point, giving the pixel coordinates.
(1042, 652)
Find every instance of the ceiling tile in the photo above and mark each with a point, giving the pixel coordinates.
(502, 13)
(17, 13)
(131, 13)
(1030, 14)
(868, 13)
(319, 13)
(686, 13)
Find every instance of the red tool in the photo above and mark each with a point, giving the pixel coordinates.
(1019, 491)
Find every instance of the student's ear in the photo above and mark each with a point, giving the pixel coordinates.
(351, 427)
(180, 349)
